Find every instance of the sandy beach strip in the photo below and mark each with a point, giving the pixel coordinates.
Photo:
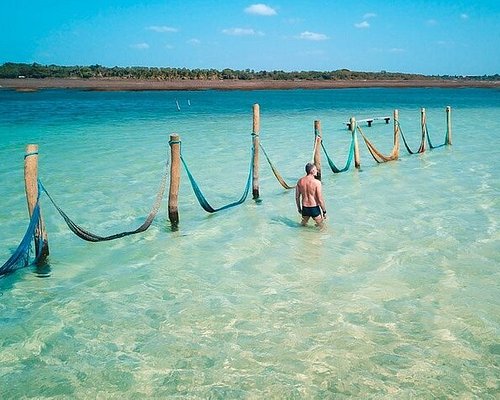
(109, 84)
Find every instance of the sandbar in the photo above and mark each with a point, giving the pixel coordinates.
(116, 84)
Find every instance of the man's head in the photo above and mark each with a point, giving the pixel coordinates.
(311, 169)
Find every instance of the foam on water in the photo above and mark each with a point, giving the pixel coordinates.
(397, 297)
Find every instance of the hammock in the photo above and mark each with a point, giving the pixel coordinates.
(275, 171)
(92, 237)
(350, 157)
(377, 155)
(421, 149)
(201, 198)
(20, 257)
(446, 139)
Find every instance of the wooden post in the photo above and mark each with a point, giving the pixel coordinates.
(448, 125)
(357, 161)
(31, 188)
(255, 141)
(424, 133)
(317, 148)
(175, 179)
(396, 132)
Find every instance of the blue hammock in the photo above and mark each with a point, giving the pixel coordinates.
(446, 139)
(332, 165)
(92, 237)
(201, 198)
(20, 257)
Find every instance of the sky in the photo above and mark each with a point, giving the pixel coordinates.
(418, 36)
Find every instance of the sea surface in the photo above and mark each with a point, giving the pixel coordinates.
(398, 297)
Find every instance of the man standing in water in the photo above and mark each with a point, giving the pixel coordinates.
(309, 198)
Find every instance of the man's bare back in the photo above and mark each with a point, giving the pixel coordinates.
(309, 197)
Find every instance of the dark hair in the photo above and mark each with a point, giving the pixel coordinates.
(309, 167)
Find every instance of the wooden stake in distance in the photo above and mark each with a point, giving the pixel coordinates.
(31, 188)
(448, 125)
(396, 133)
(317, 148)
(175, 179)
(255, 141)
(423, 123)
(357, 161)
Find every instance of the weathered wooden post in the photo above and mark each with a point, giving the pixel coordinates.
(424, 131)
(448, 125)
(255, 141)
(317, 148)
(175, 179)
(31, 188)
(357, 160)
(396, 132)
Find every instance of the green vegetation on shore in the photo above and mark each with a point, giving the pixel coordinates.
(17, 70)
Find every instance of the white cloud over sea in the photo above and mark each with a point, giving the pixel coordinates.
(161, 29)
(242, 32)
(312, 36)
(260, 9)
(362, 25)
(140, 46)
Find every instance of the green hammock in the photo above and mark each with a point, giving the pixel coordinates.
(92, 237)
(446, 139)
(420, 150)
(332, 165)
(201, 198)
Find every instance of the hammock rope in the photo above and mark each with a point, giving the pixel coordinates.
(275, 171)
(350, 157)
(21, 256)
(376, 154)
(202, 199)
(92, 237)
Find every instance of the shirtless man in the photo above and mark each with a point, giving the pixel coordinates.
(309, 199)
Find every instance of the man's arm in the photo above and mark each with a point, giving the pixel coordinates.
(319, 198)
(297, 198)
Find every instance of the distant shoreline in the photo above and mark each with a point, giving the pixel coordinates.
(113, 84)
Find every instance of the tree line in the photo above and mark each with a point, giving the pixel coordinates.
(39, 71)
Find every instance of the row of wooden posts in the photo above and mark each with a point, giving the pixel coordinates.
(173, 210)
(31, 170)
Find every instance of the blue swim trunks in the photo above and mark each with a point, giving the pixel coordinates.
(311, 211)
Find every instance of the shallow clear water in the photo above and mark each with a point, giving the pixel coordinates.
(397, 298)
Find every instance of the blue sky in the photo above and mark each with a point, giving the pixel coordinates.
(429, 37)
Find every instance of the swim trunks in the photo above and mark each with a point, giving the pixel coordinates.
(311, 211)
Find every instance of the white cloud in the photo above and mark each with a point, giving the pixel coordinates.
(369, 15)
(431, 22)
(362, 25)
(242, 32)
(194, 42)
(396, 50)
(260, 9)
(312, 36)
(140, 46)
(464, 16)
(161, 29)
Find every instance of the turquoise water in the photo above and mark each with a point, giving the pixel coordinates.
(397, 298)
